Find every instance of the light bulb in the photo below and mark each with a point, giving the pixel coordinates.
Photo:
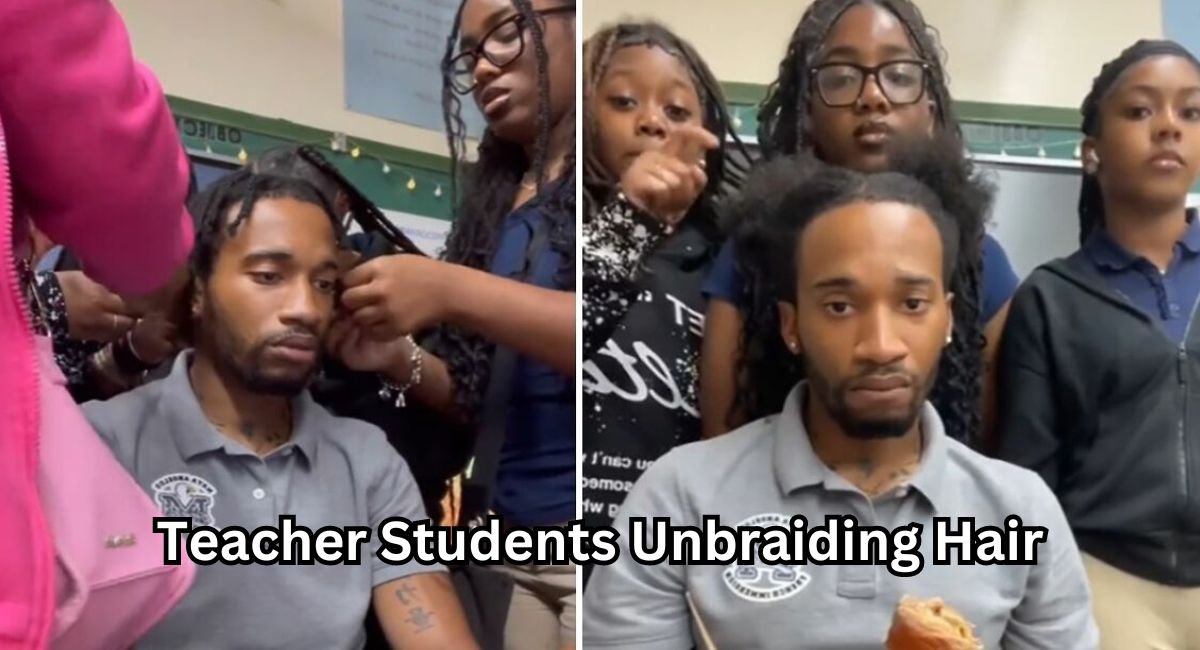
(387, 169)
(412, 184)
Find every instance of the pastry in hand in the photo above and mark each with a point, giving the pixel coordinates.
(930, 625)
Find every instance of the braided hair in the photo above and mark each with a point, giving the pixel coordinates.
(484, 193)
(1091, 200)
(766, 368)
(599, 183)
(306, 163)
(210, 209)
(243, 188)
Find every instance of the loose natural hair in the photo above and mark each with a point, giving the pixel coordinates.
(1091, 200)
(767, 369)
(599, 183)
(803, 189)
(484, 196)
(784, 124)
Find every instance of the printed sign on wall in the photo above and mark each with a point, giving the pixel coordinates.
(393, 52)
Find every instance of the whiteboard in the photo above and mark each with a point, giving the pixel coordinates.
(1035, 216)
(1035, 213)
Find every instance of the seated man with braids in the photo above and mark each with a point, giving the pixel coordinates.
(231, 438)
(433, 459)
(859, 263)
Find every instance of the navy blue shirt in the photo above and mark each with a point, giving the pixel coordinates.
(535, 482)
(1169, 298)
(999, 281)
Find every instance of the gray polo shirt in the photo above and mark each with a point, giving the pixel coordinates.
(767, 472)
(333, 472)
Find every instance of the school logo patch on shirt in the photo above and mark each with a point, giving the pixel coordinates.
(185, 495)
(764, 583)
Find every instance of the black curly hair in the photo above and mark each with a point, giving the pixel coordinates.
(1091, 200)
(766, 370)
(598, 182)
(929, 177)
(484, 194)
(803, 189)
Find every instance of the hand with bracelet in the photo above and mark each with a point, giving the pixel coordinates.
(399, 361)
(122, 364)
(153, 339)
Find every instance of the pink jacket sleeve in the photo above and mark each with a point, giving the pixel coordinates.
(96, 159)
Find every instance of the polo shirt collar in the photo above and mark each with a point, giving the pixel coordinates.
(1105, 252)
(1191, 237)
(195, 435)
(797, 466)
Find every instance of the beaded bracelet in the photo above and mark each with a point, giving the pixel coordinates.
(392, 391)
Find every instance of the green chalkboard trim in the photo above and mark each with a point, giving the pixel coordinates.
(291, 131)
(747, 94)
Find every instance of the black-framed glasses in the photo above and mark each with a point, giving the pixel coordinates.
(842, 84)
(502, 45)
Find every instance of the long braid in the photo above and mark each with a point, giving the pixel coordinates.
(766, 369)
(1091, 200)
(483, 197)
(599, 183)
(542, 144)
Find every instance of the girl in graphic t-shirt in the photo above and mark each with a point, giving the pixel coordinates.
(653, 163)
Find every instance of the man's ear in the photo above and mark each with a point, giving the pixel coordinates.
(196, 307)
(788, 329)
(950, 320)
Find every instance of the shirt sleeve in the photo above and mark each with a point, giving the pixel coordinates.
(95, 158)
(392, 493)
(616, 241)
(118, 423)
(1028, 426)
(1056, 611)
(999, 280)
(634, 606)
(725, 282)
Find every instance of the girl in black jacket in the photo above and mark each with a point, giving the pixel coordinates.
(1100, 366)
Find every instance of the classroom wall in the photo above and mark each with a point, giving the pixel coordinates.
(274, 58)
(1039, 52)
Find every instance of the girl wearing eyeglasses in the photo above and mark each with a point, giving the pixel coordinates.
(858, 77)
(501, 301)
